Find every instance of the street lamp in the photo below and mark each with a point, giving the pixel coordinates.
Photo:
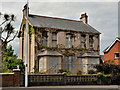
(26, 64)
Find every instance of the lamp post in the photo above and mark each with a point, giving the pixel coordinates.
(26, 64)
(0, 50)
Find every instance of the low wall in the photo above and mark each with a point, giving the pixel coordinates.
(11, 79)
(60, 79)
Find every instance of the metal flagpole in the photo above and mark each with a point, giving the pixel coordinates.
(26, 65)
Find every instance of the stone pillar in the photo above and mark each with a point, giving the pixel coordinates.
(77, 40)
(61, 41)
(96, 42)
(59, 62)
(49, 39)
(17, 74)
(87, 41)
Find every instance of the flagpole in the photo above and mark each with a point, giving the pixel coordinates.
(26, 65)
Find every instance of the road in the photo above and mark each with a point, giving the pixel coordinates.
(85, 87)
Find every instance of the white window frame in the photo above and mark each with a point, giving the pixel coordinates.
(69, 41)
(54, 39)
(115, 55)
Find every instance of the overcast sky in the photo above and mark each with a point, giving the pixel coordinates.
(103, 16)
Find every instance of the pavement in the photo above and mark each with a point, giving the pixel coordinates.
(79, 87)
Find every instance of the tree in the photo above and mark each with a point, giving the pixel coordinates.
(7, 29)
(10, 60)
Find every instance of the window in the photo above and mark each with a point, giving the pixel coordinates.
(92, 62)
(44, 38)
(53, 64)
(91, 41)
(83, 45)
(54, 39)
(31, 63)
(41, 64)
(68, 40)
(116, 55)
(69, 63)
(83, 64)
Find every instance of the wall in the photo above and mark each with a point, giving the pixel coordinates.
(12, 79)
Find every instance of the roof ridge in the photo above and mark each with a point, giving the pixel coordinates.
(55, 18)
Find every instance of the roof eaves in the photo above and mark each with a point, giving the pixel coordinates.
(109, 47)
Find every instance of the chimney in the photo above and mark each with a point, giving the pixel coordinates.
(83, 18)
(25, 10)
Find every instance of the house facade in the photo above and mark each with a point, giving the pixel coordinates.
(112, 52)
(57, 43)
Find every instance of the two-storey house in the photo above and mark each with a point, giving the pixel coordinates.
(58, 43)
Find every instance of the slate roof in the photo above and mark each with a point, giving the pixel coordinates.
(60, 23)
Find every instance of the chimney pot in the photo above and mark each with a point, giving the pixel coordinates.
(83, 18)
(25, 10)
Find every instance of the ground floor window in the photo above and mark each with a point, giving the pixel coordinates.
(53, 64)
(88, 64)
(92, 62)
(69, 63)
(41, 64)
(83, 65)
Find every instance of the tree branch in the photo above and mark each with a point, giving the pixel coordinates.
(13, 37)
(3, 23)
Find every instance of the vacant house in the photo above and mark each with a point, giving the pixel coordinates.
(112, 52)
(57, 43)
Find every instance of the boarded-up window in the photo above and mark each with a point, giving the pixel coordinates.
(54, 39)
(83, 65)
(83, 45)
(92, 62)
(44, 38)
(69, 63)
(53, 64)
(41, 64)
(69, 41)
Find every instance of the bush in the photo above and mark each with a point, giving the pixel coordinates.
(95, 81)
(64, 70)
(79, 73)
(92, 72)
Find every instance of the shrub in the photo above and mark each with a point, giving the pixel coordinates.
(92, 72)
(79, 72)
(64, 70)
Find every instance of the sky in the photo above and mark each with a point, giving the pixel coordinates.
(103, 16)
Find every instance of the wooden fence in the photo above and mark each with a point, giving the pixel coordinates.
(60, 79)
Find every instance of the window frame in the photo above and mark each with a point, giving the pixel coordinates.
(44, 38)
(91, 43)
(83, 42)
(69, 40)
(115, 56)
(54, 40)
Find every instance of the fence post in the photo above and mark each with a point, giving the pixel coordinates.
(64, 78)
(17, 73)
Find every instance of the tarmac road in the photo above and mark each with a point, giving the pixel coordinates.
(83, 87)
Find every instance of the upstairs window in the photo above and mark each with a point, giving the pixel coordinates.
(44, 38)
(91, 41)
(116, 55)
(54, 39)
(69, 41)
(83, 45)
